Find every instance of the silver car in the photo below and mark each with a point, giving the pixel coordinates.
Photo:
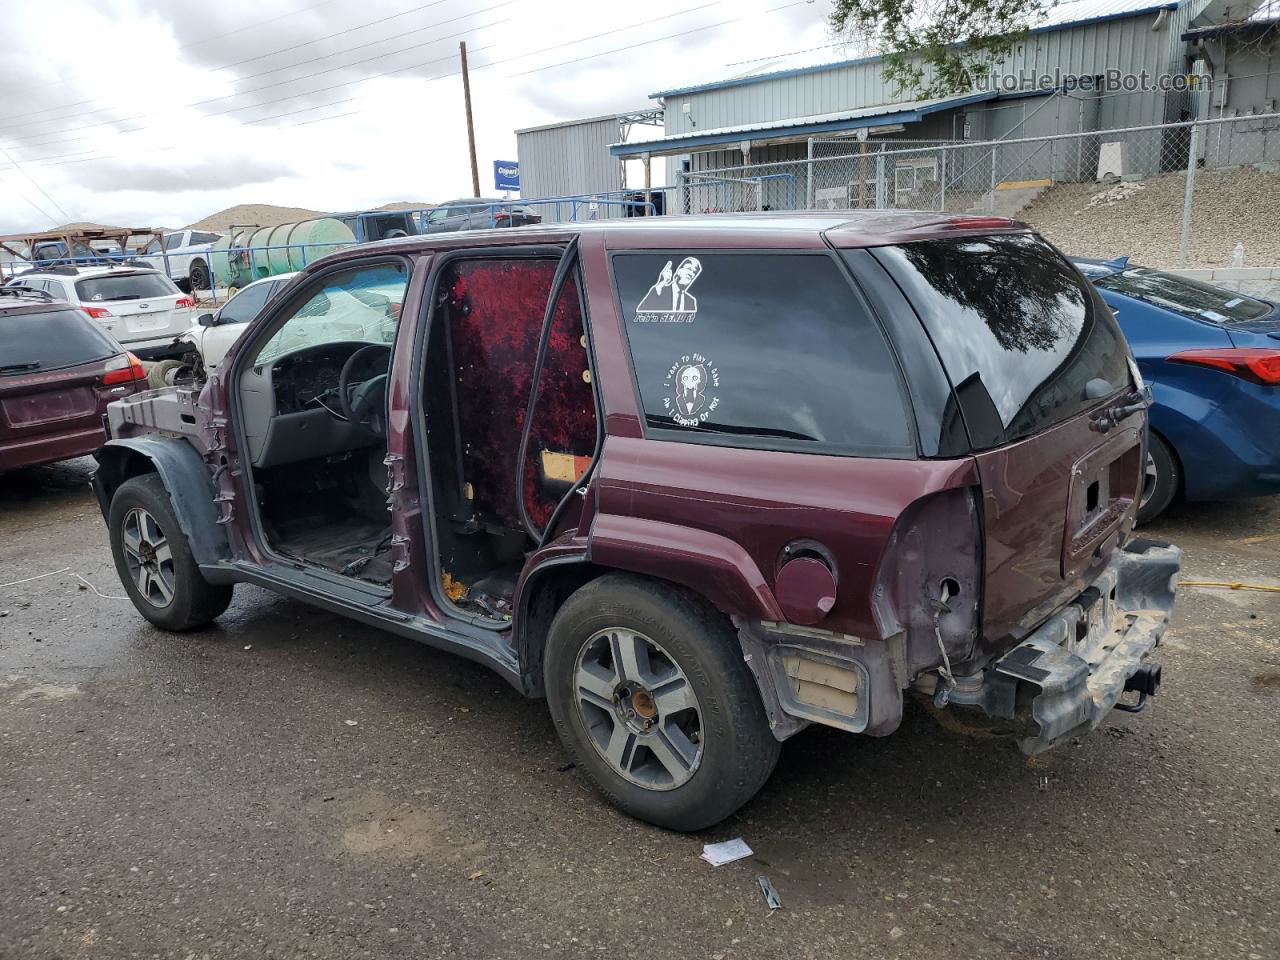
(477, 213)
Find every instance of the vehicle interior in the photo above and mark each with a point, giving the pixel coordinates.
(314, 414)
(491, 505)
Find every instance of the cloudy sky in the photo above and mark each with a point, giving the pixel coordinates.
(159, 112)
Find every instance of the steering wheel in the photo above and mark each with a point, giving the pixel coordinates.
(364, 402)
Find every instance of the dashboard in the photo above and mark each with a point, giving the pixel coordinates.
(305, 375)
(291, 407)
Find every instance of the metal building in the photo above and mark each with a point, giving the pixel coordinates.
(771, 113)
(565, 159)
(573, 159)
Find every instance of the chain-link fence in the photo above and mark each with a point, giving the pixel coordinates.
(1196, 182)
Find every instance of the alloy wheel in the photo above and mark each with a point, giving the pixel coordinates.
(148, 557)
(1150, 478)
(639, 709)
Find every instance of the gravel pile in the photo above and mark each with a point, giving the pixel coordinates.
(1143, 219)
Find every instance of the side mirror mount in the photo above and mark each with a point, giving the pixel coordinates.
(207, 320)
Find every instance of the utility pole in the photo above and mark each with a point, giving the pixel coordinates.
(471, 128)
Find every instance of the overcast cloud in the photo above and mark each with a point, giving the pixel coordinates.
(159, 112)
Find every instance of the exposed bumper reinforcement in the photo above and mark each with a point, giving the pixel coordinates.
(1082, 657)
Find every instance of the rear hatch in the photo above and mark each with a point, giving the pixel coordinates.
(53, 368)
(1036, 364)
(1249, 321)
(135, 305)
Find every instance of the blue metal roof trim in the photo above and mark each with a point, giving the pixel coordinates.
(693, 141)
(823, 67)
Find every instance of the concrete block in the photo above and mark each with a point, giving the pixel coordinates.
(1113, 159)
(1243, 273)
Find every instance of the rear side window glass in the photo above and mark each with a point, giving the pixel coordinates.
(205, 238)
(1185, 296)
(763, 350)
(1016, 328)
(124, 286)
(47, 341)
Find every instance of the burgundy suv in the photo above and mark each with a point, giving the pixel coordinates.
(58, 372)
(700, 482)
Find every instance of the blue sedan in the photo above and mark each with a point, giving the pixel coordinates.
(1212, 358)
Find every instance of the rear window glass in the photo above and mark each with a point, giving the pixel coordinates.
(1182, 295)
(1016, 329)
(59, 338)
(124, 286)
(767, 350)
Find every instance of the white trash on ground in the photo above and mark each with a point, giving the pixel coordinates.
(718, 854)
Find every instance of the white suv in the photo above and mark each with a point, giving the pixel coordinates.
(187, 253)
(140, 307)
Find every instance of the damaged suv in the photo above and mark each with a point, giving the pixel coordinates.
(699, 482)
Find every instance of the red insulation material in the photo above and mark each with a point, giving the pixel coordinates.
(495, 312)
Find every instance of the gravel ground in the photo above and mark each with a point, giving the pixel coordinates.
(1240, 205)
(290, 784)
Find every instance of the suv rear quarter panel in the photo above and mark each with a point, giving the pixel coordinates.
(718, 519)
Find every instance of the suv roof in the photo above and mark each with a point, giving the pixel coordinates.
(803, 228)
(94, 271)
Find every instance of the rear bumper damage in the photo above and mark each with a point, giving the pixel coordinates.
(1059, 682)
(1080, 662)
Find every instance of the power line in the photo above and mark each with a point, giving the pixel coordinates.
(492, 63)
(31, 203)
(340, 33)
(272, 53)
(374, 43)
(254, 26)
(187, 46)
(32, 140)
(44, 193)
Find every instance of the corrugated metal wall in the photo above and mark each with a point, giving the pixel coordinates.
(569, 159)
(1128, 43)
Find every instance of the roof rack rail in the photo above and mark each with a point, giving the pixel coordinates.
(26, 293)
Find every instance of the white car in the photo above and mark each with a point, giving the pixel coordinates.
(366, 314)
(205, 344)
(141, 308)
(187, 253)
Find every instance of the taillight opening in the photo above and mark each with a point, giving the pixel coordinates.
(97, 313)
(125, 368)
(184, 302)
(1255, 364)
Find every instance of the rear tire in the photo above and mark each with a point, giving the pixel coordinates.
(199, 276)
(692, 740)
(154, 562)
(1161, 481)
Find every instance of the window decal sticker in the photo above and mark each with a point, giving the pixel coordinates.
(691, 385)
(669, 299)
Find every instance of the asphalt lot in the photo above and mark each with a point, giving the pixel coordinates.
(290, 784)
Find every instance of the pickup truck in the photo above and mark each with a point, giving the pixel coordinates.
(183, 254)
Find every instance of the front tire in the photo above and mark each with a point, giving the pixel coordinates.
(1161, 480)
(154, 562)
(652, 700)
